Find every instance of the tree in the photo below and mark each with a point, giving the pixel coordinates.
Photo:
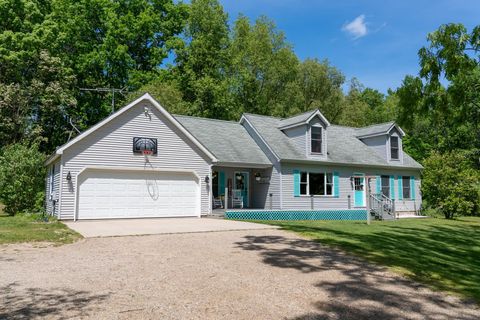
(451, 185)
(112, 44)
(22, 178)
(453, 54)
(167, 94)
(319, 86)
(202, 60)
(263, 68)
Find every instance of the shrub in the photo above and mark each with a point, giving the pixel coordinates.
(22, 178)
(450, 184)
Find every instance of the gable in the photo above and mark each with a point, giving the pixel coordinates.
(153, 105)
(112, 143)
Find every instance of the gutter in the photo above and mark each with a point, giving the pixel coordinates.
(350, 164)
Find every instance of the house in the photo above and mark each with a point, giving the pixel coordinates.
(145, 162)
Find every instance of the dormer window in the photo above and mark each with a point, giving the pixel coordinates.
(316, 139)
(394, 149)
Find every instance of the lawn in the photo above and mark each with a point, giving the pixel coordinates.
(28, 229)
(444, 254)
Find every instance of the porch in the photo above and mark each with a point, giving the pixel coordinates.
(240, 188)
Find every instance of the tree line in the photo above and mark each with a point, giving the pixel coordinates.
(196, 62)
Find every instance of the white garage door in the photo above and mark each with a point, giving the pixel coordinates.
(137, 194)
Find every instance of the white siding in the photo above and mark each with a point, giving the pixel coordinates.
(274, 187)
(317, 123)
(298, 136)
(345, 187)
(379, 144)
(111, 145)
(51, 198)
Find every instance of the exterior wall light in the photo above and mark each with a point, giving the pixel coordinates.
(207, 179)
(69, 176)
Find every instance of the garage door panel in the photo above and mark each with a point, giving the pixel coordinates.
(135, 194)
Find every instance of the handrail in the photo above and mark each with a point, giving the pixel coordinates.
(382, 205)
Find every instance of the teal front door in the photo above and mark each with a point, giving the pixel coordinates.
(359, 191)
(241, 183)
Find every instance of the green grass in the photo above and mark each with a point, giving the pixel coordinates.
(444, 254)
(23, 228)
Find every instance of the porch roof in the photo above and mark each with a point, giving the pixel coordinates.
(227, 140)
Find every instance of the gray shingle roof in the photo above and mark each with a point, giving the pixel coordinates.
(227, 140)
(381, 128)
(343, 145)
(296, 119)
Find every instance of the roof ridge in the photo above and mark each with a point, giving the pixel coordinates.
(260, 115)
(378, 124)
(339, 125)
(208, 119)
(301, 114)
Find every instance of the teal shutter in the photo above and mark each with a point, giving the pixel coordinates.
(336, 185)
(296, 183)
(400, 187)
(392, 187)
(412, 187)
(221, 183)
(378, 181)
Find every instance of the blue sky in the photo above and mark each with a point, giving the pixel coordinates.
(375, 41)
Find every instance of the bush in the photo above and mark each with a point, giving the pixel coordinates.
(450, 184)
(22, 178)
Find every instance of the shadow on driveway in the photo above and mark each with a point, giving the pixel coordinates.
(17, 303)
(356, 289)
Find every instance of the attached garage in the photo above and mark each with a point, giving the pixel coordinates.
(111, 193)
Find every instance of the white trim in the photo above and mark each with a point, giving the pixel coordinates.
(60, 190)
(381, 133)
(314, 114)
(248, 184)
(360, 175)
(322, 117)
(325, 173)
(210, 190)
(258, 134)
(243, 165)
(281, 184)
(313, 161)
(122, 168)
(148, 98)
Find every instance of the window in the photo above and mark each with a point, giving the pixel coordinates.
(386, 186)
(312, 183)
(358, 183)
(316, 138)
(394, 150)
(317, 183)
(406, 187)
(303, 183)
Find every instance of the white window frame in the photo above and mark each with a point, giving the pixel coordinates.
(398, 148)
(325, 173)
(321, 139)
(409, 188)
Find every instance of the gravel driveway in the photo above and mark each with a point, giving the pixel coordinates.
(256, 274)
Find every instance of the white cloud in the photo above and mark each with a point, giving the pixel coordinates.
(356, 28)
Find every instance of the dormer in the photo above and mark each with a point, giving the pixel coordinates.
(308, 131)
(385, 138)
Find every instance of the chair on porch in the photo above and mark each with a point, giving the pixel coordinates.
(217, 203)
(237, 199)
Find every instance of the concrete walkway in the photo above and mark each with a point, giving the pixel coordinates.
(131, 227)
